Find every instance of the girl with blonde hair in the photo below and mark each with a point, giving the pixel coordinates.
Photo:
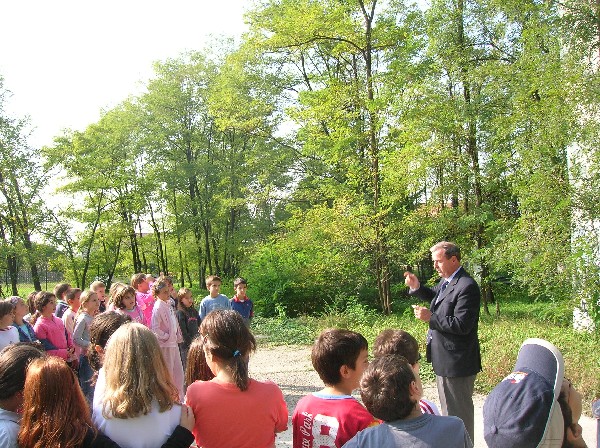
(90, 304)
(56, 414)
(227, 345)
(135, 401)
(166, 328)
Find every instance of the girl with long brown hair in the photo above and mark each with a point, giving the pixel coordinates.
(227, 345)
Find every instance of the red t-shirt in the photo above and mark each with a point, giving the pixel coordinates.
(328, 421)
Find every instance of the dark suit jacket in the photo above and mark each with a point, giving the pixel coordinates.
(454, 347)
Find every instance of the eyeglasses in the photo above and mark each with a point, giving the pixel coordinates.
(418, 358)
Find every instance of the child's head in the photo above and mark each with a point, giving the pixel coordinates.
(339, 355)
(19, 306)
(124, 298)
(213, 284)
(228, 342)
(133, 348)
(197, 368)
(102, 328)
(99, 288)
(161, 289)
(89, 302)
(45, 303)
(240, 285)
(7, 313)
(73, 298)
(184, 298)
(31, 302)
(397, 342)
(60, 290)
(388, 388)
(14, 360)
(51, 394)
(139, 282)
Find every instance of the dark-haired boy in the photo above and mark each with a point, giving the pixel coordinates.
(60, 290)
(332, 416)
(240, 302)
(391, 392)
(399, 342)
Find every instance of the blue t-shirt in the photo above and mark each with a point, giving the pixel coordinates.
(208, 304)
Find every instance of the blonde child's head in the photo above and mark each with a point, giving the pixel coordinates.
(89, 302)
(112, 291)
(159, 286)
(124, 298)
(99, 288)
(134, 349)
(184, 298)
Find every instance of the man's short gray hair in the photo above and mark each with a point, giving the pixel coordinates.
(450, 249)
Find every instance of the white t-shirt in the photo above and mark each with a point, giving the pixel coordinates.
(9, 335)
(145, 431)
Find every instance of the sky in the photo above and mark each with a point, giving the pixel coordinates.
(67, 60)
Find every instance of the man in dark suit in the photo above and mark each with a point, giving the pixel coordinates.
(452, 343)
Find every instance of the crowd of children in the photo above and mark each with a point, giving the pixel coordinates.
(109, 373)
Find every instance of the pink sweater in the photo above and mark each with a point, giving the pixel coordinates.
(52, 334)
(145, 302)
(164, 325)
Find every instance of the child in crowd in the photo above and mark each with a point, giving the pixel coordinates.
(49, 329)
(13, 365)
(124, 302)
(8, 333)
(391, 391)
(214, 300)
(240, 301)
(333, 416)
(399, 342)
(61, 305)
(112, 291)
(100, 288)
(197, 368)
(81, 338)
(30, 307)
(260, 405)
(73, 298)
(26, 333)
(145, 300)
(188, 319)
(164, 325)
(135, 401)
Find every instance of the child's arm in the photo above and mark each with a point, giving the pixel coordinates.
(78, 333)
(203, 309)
(282, 413)
(159, 322)
(182, 320)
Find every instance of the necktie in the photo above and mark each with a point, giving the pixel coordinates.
(441, 291)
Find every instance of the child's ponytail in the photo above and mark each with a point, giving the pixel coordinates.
(228, 338)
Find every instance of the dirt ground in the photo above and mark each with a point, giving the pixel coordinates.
(291, 369)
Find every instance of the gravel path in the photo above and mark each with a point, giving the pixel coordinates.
(291, 369)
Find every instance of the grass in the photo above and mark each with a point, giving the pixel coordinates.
(500, 338)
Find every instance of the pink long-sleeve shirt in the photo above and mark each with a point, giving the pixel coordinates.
(164, 325)
(52, 330)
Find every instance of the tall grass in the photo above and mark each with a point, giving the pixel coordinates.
(500, 337)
